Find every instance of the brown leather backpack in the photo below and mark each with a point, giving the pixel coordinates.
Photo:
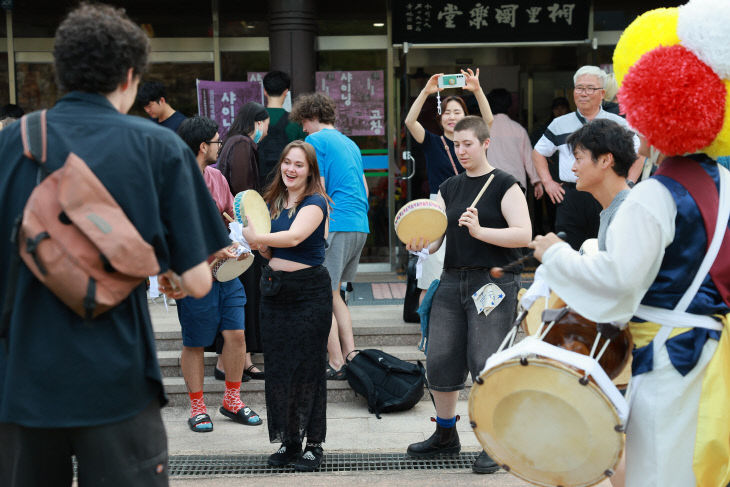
(74, 237)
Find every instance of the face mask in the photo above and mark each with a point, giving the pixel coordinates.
(257, 135)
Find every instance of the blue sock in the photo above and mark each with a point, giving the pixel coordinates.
(446, 423)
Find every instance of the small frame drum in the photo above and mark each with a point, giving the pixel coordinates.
(249, 206)
(422, 218)
(228, 269)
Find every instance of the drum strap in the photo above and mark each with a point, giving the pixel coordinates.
(448, 153)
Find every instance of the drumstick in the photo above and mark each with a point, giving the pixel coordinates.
(484, 188)
(228, 217)
(498, 272)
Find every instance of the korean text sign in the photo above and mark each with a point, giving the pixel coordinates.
(221, 100)
(360, 100)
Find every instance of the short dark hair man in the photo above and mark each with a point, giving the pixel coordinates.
(93, 389)
(577, 213)
(153, 99)
(281, 129)
(222, 309)
(343, 177)
(604, 153)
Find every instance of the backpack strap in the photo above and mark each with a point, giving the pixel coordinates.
(372, 392)
(33, 133)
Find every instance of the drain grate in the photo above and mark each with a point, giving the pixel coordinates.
(208, 465)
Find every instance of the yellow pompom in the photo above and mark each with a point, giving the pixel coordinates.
(648, 31)
(721, 145)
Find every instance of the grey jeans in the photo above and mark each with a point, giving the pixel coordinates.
(459, 339)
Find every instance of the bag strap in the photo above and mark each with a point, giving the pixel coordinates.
(448, 153)
(33, 134)
(372, 392)
(425, 381)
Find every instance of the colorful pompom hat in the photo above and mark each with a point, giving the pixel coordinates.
(673, 70)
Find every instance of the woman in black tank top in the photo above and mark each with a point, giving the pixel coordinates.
(488, 222)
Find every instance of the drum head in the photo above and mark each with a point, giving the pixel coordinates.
(232, 268)
(251, 205)
(541, 424)
(422, 218)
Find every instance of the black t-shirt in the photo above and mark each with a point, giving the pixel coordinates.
(463, 250)
(173, 121)
(438, 165)
(60, 371)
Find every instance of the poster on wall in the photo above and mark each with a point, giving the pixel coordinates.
(360, 100)
(258, 77)
(221, 100)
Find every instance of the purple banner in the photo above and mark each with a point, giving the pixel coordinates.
(360, 99)
(221, 100)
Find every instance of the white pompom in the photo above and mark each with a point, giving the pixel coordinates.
(704, 28)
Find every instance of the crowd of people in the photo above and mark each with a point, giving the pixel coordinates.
(176, 180)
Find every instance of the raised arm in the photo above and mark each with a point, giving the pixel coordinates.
(412, 123)
(472, 84)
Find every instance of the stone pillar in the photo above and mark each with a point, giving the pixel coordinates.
(292, 42)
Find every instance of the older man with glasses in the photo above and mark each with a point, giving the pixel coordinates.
(577, 212)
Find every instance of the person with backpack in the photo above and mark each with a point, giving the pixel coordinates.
(488, 222)
(281, 129)
(296, 308)
(80, 382)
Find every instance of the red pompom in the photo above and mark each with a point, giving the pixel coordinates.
(674, 100)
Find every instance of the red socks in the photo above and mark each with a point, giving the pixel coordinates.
(232, 398)
(197, 405)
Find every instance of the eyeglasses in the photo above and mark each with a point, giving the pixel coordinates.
(219, 142)
(588, 90)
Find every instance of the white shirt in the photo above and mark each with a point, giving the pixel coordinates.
(608, 286)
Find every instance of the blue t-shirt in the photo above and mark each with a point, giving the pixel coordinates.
(340, 164)
(310, 251)
(438, 165)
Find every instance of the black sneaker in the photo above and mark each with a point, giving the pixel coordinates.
(484, 464)
(310, 460)
(285, 455)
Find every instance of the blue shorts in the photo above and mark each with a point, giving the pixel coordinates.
(220, 309)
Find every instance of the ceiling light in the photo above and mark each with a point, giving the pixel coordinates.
(378, 24)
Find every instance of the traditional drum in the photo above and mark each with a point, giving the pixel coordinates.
(546, 409)
(228, 269)
(422, 218)
(249, 206)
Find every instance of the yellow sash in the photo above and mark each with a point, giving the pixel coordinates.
(712, 444)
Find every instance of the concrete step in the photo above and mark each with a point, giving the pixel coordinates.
(366, 334)
(252, 392)
(170, 359)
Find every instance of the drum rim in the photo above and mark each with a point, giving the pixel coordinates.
(561, 368)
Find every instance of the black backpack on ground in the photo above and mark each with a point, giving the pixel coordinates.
(388, 383)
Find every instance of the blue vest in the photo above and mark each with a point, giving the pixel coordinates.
(682, 259)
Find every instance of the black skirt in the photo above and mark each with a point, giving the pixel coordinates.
(296, 316)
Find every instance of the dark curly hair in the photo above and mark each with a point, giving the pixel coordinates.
(94, 48)
(314, 106)
(602, 136)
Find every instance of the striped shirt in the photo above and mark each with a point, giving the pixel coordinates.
(556, 135)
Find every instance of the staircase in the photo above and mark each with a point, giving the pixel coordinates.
(374, 326)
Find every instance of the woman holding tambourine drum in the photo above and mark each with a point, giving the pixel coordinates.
(441, 160)
(488, 222)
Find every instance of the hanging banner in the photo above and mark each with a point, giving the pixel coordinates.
(221, 100)
(360, 100)
(488, 21)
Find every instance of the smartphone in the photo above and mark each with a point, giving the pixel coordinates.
(452, 81)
